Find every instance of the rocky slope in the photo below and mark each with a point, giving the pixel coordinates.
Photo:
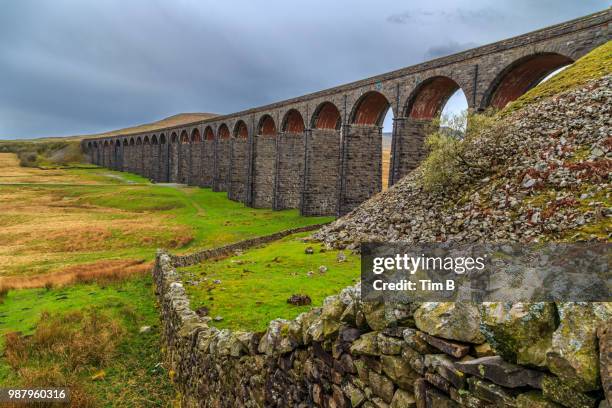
(540, 173)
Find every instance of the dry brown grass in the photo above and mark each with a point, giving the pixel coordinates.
(45, 230)
(68, 344)
(175, 120)
(101, 272)
(13, 173)
(386, 163)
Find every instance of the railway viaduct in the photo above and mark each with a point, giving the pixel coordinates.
(321, 152)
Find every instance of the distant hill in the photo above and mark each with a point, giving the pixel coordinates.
(179, 119)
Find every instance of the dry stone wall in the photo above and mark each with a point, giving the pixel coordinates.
(396, 355)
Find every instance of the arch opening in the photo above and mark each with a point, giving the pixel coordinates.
(162, 139)
(293, 122)
(327, 116)
(146, 140)
(522, 75)
(267, 127)
(173, 138)
(184, 137)
(430, 97)
(224, 132)
(132, 142)
(370, 109)
(195, 136)
(154, 140)
(240, 130)
(209, 134)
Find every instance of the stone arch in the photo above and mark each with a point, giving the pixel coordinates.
(184, 157)
(209, 134)
(131, 141)
(290, 163)
(208, 157)
(238, 171)
(322, 162)
(326, 116)
(370, 109)
(362, 156)
(241, 131)
(195, 157)
(125, 142)
(222, 168)
(429, 97)
(520, 76)
(184, 137)
(146, 157)
(195, 136)
(293, 122)
(173, 158)
(264, 159)
(223, 132)
(138, 157)
(267, 126)
(163, 154)
(154, 140)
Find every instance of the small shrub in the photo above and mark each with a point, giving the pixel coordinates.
(28, 159)
(453, 150)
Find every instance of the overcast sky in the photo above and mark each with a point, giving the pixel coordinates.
(74, 66)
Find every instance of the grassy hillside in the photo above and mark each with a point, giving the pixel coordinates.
(174, 120)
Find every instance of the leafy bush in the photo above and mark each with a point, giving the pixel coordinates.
(28, 159)
(450, 161)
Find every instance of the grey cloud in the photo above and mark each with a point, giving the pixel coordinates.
(462, 15)
(69, 66)
(401, 18)
(448, 49)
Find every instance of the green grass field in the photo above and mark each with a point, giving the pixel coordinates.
(77, 246)
(255, 285)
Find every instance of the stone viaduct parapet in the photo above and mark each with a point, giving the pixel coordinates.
(322, 152)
